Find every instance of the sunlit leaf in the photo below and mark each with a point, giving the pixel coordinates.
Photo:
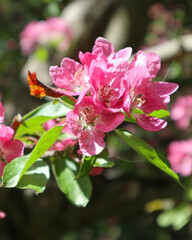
(148, 152)
(78, 191)
(33, 120)
(14, 171)
(35, 177)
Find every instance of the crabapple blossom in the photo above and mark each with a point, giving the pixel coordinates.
(180, 156)
(89, 122)
(181, 111)
(106, 86)
(143, 94)
(1, 113)
(75, 77)
(9, 148)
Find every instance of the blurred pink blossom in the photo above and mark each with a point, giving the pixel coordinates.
(9, 148)
(181, 111)
(51, 31)
(180, 156)
(2, 214)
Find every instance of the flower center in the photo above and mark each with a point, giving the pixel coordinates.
(80, 79)
(87, 115)
(136, 101)
(105, 93)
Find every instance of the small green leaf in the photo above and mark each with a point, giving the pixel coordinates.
(145, 150)
(40, 115)
(14, 171)
(160, 113)
(35, 177)
(69, 103)
(86, 166)
(101, 162)
(78, 191)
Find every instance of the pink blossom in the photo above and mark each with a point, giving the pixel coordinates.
(74, 77)
(143, 94)
(106, 85)
(89, 122)
(49, 32)
(180, 156)
(2, 214)
(9, 148)
(181, 111)
(1, 113)
(103, 49)
(70, 76)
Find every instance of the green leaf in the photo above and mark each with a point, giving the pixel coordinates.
(94, 161)
(69, 103)
(160, 113)
(48, 110)
(86, 166)
(78, 191)
(35, 177)
(14, 171)
(145, 150)
(101, 162)
(40, 115)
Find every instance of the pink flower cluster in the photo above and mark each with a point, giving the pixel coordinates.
(181, 112)
(9, 148)
(180, 156)
(52, 31)
(108, 86)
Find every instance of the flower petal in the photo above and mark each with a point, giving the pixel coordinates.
(124, 53)
(63, 77)
(91, 142)
(12, 149)
(6, 133)
(150, 123)
(103, 48)
(108, 121)
(1, 113)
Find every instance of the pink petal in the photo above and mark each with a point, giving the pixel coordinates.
(149, 60)
(91, 142)
(12, 149)
(124, 53)
(103, 47)
(137, 80)
(150, 123)
(6, 133)
(153, 63)
(163, 88)
(62, 76)
(1, 113)
(109, 121)
(2, 214)
(74, 123)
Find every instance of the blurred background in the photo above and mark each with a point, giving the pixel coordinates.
(133, 200)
